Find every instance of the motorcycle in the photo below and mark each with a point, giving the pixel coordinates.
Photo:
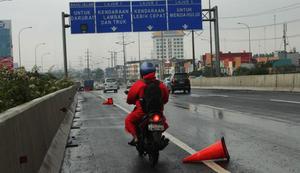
(150, 138)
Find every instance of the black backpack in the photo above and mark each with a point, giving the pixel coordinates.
(152, 99)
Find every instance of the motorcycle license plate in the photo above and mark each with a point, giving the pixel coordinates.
(156, 127)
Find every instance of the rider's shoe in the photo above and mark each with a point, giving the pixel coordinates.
(164, 143)
(133, 142)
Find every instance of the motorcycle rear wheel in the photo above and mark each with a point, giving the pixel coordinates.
(140, 150)
(153, 158)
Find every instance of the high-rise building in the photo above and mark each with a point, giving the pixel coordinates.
(171, 47)
(5, 39)
(6, 58)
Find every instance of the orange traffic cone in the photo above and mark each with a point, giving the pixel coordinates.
(109, 101)
(105, 102)
(215, 151)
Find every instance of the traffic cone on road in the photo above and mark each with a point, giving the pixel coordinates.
(215, 151)
(108, 101)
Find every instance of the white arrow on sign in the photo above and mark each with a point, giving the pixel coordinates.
(150, 27)
(185, 26)
(114, 28)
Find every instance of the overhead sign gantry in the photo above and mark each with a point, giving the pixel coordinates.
(135, 16)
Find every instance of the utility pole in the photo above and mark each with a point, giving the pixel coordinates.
(115, 58)
(111, 59)
(217, 40)
(124, 58)
(265, 40)
(210, 40)
(124, 55)
(88, 62)
(64, 26)
(275, 46)
(162, 55)
(285, 39)
(193, 47)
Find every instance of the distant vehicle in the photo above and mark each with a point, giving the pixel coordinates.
(199, 77)
(192, 77)
(167, 82)
(88, 85)
(111, 84)
(180, 81)
(99, 86)
(130, 83)
(81, 88)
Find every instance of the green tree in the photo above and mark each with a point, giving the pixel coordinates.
(19, 86)
(242, 71)
(99, 74)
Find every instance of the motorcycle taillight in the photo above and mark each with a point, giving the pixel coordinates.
(155, 118)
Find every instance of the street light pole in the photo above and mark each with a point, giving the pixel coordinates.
(64, 26)
(19, 41)
(42, 60)
(249, 34)
(36, 47)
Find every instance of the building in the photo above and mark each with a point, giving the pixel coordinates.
(172, 45)
(181, 66)
(292, 57)
(6, 56)
(116, 72)
(263, 59)
(169, 67)
(229, 61)
(119, 71)
(133, 69)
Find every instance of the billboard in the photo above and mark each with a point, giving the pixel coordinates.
(7, 62)
(6, 43)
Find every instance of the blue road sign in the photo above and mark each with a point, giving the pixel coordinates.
(184, 14)
(113, 17)
(149, 15)
(82, 15)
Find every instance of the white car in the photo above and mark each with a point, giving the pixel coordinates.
(99, 86)
(111, 84)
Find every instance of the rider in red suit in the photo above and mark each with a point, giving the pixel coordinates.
(147, 72)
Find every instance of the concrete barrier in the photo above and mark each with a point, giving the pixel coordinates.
(279, 82)
(296, 82)
(27, 131)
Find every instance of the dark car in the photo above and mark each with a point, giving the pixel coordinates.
(180, 81)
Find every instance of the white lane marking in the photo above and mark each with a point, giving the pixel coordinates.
(211, 164)
(208, 95)
(284, 101)
(104, 127)
(98, 118)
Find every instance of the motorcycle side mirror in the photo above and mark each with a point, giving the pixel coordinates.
(126, 92)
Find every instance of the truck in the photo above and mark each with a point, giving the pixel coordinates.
(88, 85)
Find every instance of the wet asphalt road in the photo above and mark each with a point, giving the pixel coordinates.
(261, 130)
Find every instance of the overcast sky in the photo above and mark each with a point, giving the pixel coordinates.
(45, 18)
